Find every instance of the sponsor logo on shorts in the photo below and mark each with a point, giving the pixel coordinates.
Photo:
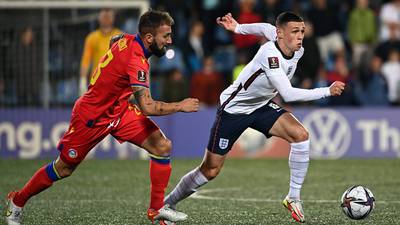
(275, 106)
(72, 153)
(223, 143)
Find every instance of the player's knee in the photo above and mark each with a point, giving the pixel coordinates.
(164, 147)
(210, 173)
(301, 134)
(65, 170)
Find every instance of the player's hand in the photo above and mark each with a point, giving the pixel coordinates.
(189, 105)
(227, 22)
(82, 85)
(337, 88)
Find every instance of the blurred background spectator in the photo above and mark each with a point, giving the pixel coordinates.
(247, 44)
(193, 47)
(371, 88)
(96, 45)
(207, 84)
(390, 19)
(270, 9)
(361, 30)
(325, 19)
(342, 73)
(391, 72)
(392, 43)
(175, 87)
(24, 61)
(310, 64)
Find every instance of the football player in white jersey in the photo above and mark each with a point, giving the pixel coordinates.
(248, 103)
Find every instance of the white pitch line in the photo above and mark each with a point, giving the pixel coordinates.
(200, 195)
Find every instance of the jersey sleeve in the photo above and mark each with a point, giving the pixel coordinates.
(272, 67)
(261, 29)
(137, 72)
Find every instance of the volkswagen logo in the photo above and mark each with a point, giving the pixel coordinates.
(330, 133)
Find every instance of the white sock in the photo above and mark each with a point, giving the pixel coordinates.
(186, 186)
(298, 164)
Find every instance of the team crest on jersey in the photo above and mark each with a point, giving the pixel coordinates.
(273, 62)
(141, 76)
(223, 143)
(289, 70)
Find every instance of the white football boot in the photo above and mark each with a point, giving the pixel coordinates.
(13, 213)
(295, 208)
(166, 214)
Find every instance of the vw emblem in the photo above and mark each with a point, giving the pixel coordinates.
(330, 133)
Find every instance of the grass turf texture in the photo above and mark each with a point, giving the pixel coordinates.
(105, 192)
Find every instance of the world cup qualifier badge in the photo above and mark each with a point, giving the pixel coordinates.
(273, 62)
(141, 76)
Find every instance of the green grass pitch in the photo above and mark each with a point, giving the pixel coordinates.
(105, 192)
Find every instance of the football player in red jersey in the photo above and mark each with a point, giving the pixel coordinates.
(108, 108)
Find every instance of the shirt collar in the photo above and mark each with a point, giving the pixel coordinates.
(147, 53)
(283, 54)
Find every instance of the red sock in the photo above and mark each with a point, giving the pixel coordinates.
(39, 182)
(160, 171)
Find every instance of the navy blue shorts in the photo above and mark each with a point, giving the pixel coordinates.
(228, 127)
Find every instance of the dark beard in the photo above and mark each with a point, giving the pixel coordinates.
(157, 51)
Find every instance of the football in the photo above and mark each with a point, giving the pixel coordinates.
(357, 202)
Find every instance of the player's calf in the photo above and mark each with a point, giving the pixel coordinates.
(40, 181)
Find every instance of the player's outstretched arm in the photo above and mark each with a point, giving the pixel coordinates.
(150, 107)
(261, 29)
(292, 94)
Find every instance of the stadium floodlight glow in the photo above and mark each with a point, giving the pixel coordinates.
(170, 54)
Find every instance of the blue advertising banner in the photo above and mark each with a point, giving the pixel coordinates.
(334, 133)
(337, 133)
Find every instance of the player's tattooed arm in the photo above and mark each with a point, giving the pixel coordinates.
(150, 107)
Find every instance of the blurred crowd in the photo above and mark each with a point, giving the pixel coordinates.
(355, 41)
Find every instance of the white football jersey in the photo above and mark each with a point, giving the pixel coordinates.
(252, 89)
(263, 77)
